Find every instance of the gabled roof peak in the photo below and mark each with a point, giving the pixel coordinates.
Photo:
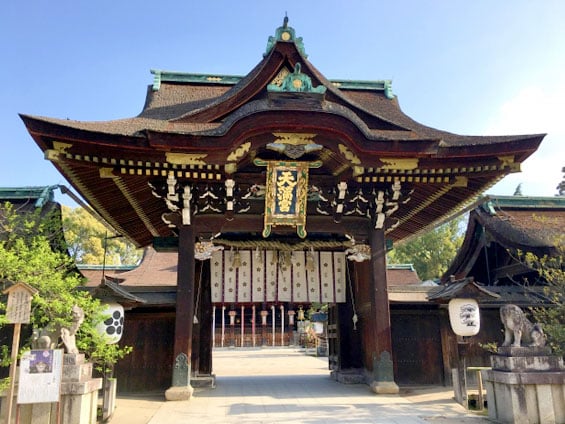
(285, 34)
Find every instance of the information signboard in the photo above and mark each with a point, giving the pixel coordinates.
(19, 303)
(40, 376)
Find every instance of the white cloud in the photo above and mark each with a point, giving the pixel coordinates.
(534, 110)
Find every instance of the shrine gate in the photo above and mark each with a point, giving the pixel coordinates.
(302, 180)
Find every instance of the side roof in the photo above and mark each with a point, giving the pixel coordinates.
(527, 224)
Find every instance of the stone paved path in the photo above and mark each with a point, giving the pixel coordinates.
(285, 386)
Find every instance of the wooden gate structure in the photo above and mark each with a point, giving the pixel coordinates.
(280, 160)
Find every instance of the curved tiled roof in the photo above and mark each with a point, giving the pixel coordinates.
(515, 224)
(217, 125)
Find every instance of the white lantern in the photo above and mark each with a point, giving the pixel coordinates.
(464, 317)
(112, 327)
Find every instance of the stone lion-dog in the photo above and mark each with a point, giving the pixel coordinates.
(519, 329)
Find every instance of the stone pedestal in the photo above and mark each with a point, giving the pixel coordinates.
(526, 385)
(79, 391)
(78, 400)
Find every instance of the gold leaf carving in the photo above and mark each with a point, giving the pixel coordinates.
(349, 155)
(460, 181)
(358, 170)
(506, 160)
(230, 168)
(61, 147)
(107, 173)
(186, 158)
(278, 80)
(399, 163)
(52, 155)
(239, 152)
(294, 139)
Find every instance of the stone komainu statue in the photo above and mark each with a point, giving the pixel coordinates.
(518, 329)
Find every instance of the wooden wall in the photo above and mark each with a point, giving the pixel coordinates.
(149, 367)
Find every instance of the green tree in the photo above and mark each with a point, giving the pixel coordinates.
(27, 255)
(552, 317)
(89, 241)
(561, 185)
(432, 252)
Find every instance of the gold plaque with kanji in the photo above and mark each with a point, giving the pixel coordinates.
(286, 196)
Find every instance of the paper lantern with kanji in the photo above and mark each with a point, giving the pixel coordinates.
(464, 317)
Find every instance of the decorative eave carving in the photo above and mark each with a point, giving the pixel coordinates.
(294, 145)
(186, 158)
(297, 82)
(378, 203)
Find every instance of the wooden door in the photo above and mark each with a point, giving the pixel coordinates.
(149, 367)
(416, 347)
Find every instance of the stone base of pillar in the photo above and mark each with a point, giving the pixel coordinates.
(349, 376)
(176, 393)
(203, 381)
(385, 387)
(526, 385)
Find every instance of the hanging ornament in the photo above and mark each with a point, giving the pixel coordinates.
(236, 259)
(112, 327)
(464, 317)
(310, 262)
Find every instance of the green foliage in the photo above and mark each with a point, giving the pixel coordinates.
(87, 239)
(491, 347)
(552, 270)
(432, 252)
(27, 255)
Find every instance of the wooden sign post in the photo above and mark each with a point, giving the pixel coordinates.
(18, 312)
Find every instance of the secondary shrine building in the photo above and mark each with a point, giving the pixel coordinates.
(303, 182)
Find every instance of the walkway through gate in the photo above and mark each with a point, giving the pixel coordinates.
(284, 385)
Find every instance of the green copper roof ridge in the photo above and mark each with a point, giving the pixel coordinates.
(97, 267)
(160, 76)
(524, 202)
(41, 194)
(409, 267)
(178, 76)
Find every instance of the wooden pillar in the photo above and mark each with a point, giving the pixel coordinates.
(223, 325)
(290, 330)
(383, 374)
(181, 388)
(213, 327)
(253, 325)
(203, 331)
(273, 316)
(232, 313)
(282, 324)
(242, 325)
(264, 314)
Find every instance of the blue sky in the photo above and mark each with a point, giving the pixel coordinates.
(477, 67)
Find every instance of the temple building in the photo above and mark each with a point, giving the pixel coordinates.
(278, 188)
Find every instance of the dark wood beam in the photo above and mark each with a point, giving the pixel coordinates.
(213, 224)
